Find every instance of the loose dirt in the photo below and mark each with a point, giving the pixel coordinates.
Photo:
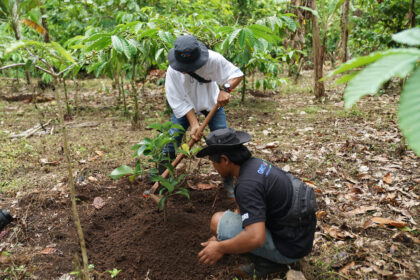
(129, 233)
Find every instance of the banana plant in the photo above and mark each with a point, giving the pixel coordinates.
(381, 66)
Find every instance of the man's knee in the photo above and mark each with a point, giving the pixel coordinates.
(215, 221)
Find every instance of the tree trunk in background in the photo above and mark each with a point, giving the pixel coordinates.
(297, 40)
(243, 90)
(344, 29)
(319, 89)
(413, 13)
(45, 25)
(18, 36)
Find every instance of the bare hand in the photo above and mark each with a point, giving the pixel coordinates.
(193, 133)
(211, 253)
(223, 98)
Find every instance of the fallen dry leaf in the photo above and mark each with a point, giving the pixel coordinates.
(405, 237)
(45, 161)
(378, 189)
(382, 272)
(4, 259)
(321, 214)
(92, 179)
(336, 232)
(360, 210)
(48, 251)
(286, 168)
(202, 186)
(346, 268)
(3, 233)
(295, 275)
(98, 202)
(355, 190)
(363, 169)
(387, 179)
(368, 224)
(100, 153)
(389, 222)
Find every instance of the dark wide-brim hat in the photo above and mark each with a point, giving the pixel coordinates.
(188, 54)
(222, 140)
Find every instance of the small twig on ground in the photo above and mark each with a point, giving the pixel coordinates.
(215, 198)
(321, 276)
(76, 125)
(31, 131)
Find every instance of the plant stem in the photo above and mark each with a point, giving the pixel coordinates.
(118, 99)
(134, 93)
(85, 272)
(243, 87)
(76, 94)
(123, 93)
(66, 98)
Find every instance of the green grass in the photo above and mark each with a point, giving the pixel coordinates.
(11, 170)
(353, 112)
(312, 109)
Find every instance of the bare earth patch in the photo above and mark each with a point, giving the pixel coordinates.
(367, 187)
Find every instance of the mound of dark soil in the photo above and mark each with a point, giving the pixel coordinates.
(129, 233)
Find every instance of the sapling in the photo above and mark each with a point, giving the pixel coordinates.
(152, 149)
(170, 187)
(189, 154)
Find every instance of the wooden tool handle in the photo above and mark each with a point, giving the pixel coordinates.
(190, 144)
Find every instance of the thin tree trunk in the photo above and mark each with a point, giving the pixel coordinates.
(123, 93)
(66, 98)
(85, 273)
(297, 41)
(76, 94)
(413, 13)
(134, 94)
(243, 90)
(45, 25)
(18, 36)
(319, 89)
(118, 98)
(344, 29)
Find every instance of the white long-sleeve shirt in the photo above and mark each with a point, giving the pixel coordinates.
(184, 93)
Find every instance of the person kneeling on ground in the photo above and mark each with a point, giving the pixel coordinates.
(277, 220)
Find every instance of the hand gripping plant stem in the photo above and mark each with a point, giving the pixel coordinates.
(151, 193)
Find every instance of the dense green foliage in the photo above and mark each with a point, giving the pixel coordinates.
(374, 22)
(246, 32)
(125, 40)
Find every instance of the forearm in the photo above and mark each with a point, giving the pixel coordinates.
(192, 118)
(234, 82)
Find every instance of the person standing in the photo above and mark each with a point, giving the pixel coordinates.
(197, 79)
